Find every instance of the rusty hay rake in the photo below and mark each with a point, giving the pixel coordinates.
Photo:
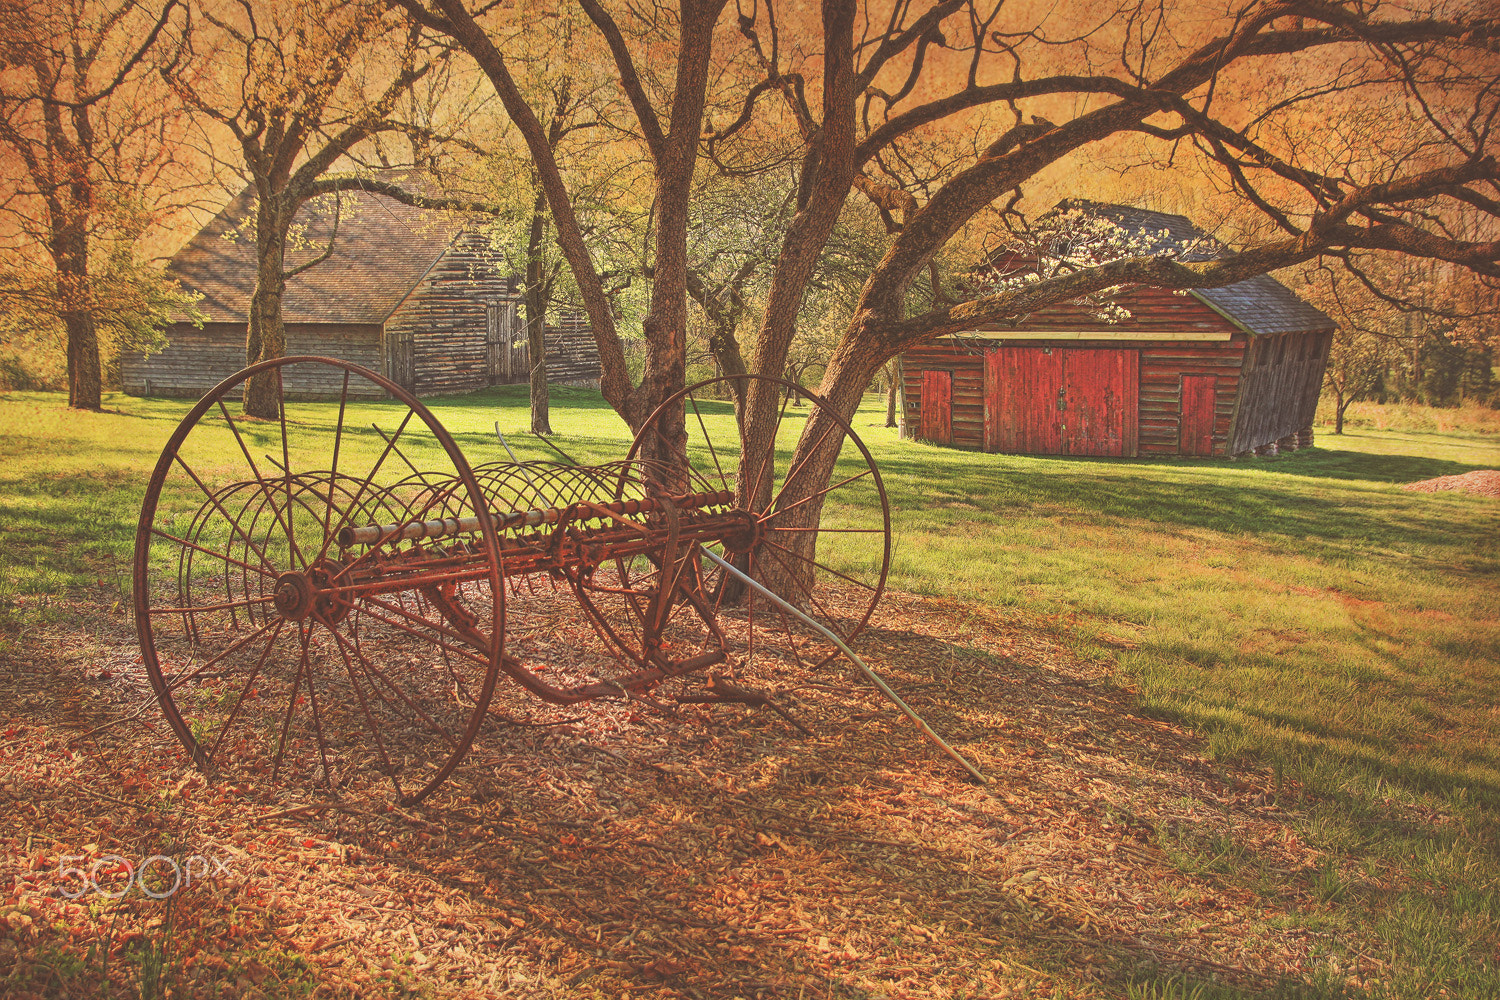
(324, 599)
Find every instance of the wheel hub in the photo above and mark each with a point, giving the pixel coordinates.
(746, 537)
(294, 596)
(299, 594)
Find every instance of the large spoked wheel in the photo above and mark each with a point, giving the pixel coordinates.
(823, 546)
(278, 649)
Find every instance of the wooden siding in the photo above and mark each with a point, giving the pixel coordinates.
(965, 361)
(456, 330)
(1256, 401)
(1065, 401)
(195, 360)
(572, 355)
(1159, 384)
(1151, 309)
(1282, 378)
(1163, 367)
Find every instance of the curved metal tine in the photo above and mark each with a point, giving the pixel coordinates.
(441, 630)
(541, 503)
(185, 564)
(436, 727)
(606, 634)
(213, 499)
(293, 551)
(368, 480)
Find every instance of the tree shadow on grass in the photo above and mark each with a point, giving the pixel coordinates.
(1331, 511)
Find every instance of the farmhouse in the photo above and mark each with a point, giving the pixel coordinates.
(415, 295)
(1213, 372)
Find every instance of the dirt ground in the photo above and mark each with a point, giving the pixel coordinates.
(619, 851)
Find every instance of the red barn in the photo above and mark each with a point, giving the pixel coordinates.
(1217, 372)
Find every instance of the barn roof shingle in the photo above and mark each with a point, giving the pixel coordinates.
(1259, 305)
(382, 249)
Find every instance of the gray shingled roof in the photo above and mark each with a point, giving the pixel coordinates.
(382, 249)
(1260, 305)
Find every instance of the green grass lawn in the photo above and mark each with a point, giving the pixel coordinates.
(1303, 611)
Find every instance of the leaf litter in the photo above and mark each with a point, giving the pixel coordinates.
(617, 850)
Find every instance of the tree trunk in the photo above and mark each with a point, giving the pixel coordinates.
(70, 255)
(893, 372)
(849, 372)
(536, 299)
(1340, 404)
(85, 391)
(266, 336)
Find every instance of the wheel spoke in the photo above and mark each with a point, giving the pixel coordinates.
(244, 691)
(305, 635)
(338, 440)
(792, 473)
(829, 619)
(708, 439)
(208, 552)
(221, 606)
(822, 492)
(818, 565)
(234, 524)
(286, 466)
(364, 706)
(441, 630)
(177, 682)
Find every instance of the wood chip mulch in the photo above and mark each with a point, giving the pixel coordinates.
(714, 852)
(1484, 482)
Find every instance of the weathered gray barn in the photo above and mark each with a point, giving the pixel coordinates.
(415, 295)
(1211, 372)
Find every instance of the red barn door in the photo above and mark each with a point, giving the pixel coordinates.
(1099, 403)
(1062, 401)
(1197, 434)
(1020, 401)
(937, 407)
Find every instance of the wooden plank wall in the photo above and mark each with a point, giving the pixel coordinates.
(445, 321)
(965, 360)
(1283, 377)
(572, 355)
(1163, 364)
(195, 359)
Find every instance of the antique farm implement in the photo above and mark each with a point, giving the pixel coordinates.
(334, 593)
